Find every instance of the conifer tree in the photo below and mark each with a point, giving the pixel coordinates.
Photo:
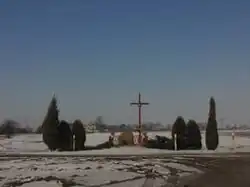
(50, 124)
(80, 135)
(65, 136)
(178, 129)
(212, 137)
(193, 135)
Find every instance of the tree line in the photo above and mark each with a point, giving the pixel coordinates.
(188, 136)
(10, 127)
(61, 135)
(58, 135)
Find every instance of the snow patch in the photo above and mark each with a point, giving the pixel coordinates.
(79, 171)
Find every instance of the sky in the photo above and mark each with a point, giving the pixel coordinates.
(97, 55)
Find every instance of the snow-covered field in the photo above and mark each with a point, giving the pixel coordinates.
(32, 144)
(92, 172)
(33, 165)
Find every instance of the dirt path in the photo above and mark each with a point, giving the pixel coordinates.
(223, 172)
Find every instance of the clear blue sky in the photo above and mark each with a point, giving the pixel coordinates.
(97, 55)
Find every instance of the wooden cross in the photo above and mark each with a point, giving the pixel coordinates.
(139, 104)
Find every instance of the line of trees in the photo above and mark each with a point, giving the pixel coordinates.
(188, 136)
(64, 136)
(59, 135)
(10, 127)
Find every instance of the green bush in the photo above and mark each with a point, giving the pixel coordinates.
(193, 135)
(65, 136)
(80, 135)
(179, 128)
(212, 137)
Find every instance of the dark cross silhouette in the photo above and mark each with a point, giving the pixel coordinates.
(139, 104)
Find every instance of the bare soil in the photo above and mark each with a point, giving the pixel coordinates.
(222, 172)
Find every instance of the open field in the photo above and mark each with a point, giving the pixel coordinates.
(26, 162)
(92, 171)
(174, 171)
(33, 145)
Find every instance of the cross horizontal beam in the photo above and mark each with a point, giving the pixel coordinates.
(139, 103)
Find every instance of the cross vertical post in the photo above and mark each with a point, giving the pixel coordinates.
(139, 104)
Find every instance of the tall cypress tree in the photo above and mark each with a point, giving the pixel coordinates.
(212, 137)
(50, 124)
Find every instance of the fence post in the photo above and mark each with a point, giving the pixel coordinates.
(175, 142)
(233, 140)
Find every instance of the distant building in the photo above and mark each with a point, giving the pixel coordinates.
(90, 127)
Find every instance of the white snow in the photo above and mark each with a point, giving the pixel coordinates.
(86, 171)
(90, 171)
(42, 184)
(33, 145)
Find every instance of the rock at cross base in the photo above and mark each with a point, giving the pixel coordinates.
(126, 138)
